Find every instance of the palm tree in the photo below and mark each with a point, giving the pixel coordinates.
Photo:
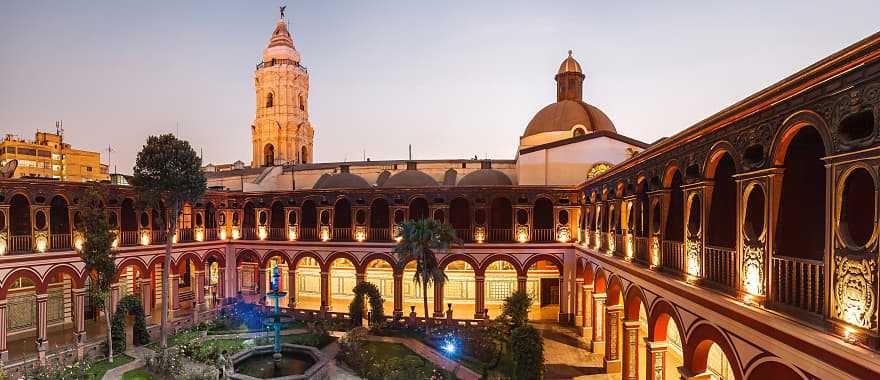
(421, 241)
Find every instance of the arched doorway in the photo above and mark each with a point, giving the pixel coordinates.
(21, 234)
(673, 237)
(379, 218)
(501, 220)
(342, 220)
(59, 224)
(269, 155)
(343, 279)
(543, 220)
(460, 218)
(418, 209)
(412, 293)
(308, 283)
(379, 272)
(249, 222)
(543, 283)
(309, 222)
(129, 225)
(500, 282)
(459, 290)
(721, 226)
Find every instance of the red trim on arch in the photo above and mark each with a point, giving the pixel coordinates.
(696, 351)
(501, 257)
(75, 277)
(459, 256)
(543, 256)
(22, 272)
(362, 268)
(274, 253)
(634, 300)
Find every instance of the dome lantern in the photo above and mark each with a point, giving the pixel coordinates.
(569, 80)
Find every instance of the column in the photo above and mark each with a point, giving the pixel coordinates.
(261, 284)
(599, 323)
(438, 301)
(291, 288)
(521, 283)
(655, 360)
(480, 297)
(398, 295)
(612, 360)
(200, 290)
(577, 301)
(360, 277)
(79, 326)
(146, 297)
(4, 352)
(325, 293)
(586, 329)
(173, 295)
(631, 350)
(114, 297)
(42, 337)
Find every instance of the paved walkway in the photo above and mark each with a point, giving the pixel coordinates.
(566, 355)
(138, 353)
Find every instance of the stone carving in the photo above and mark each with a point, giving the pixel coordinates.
(692, 254)
(855, 280)
(753, 269)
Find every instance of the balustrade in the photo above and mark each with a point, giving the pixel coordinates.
(19, 244)
(543, 235)
(159, 236)
(798, 283)
(672, 256)
(464, 234)
(719, 266)
(379, 234)
(185, 235)
(342, 234)
(249, 233)
(279, 233)
(500, 234)
(308, 233)
(210, 234)
(60, 242)
(640, 245)
(128, 238)
(618, 245)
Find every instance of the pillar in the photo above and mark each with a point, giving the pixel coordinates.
(325, 293)
(631, 350)
(577, 303)
(291, 288)
(173, 295)
(114, 297)
(360, 277)
(79, 326)
(599, 323)
(398, 295)
(521, 283)
(612, 362)
(438, 301)
(655, 360)
(4, 352)
(200, 290)
(480, 297)
(42, 337)
(586, 329)
(146, 297)
(261, 284)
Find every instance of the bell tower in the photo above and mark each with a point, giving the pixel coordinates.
(281, 132)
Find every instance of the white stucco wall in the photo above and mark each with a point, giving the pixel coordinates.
(568, 164)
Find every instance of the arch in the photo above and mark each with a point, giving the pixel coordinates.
(59, 216)
(302, 254)
(543, 256)
(137, 263)
(460, 213)
(773, 368)
(216, 255)
(276, 215)
(660, 315)
(600, 283)
(274, 253)
(362, 267)
(446, 260)
(633, 300)
(340, 255)
(721, 226)
(671, 169)
(26, 273)
(501, 213)
(379, 213)
(716, 152)
(269, 100)
(614, 293)
(183, 259)
(791, 126)
(700, 340)
(543, 218)
(342, 213)
(158, 259)
(269, 155)
(68, 269)
(481, 270)
(20, 216)
(675, 214)
(304, 153)
(589, 274)
(418, 208)
(246, 255)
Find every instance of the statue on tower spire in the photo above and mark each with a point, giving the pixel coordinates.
(282, 11)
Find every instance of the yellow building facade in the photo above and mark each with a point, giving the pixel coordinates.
(48, 157)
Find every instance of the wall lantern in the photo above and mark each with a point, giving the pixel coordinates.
(291, 233)
(325, 233)
(145, 238)
(360, 233)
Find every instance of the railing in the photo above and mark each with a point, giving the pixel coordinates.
(158, 237)
(640, 245)
(60, 242)
(308, 233)
(672, 256)
(543, 235)
(210, 234)
(718, 265)
(128, 238)
(799, 283)
(379, 234)
(185, 235)
(603, 241)
(500, 234)
(249, 233)
(342, 234)
(618, 245)
(464, 234)
(277, 233)
(19, 244)
(279, 61)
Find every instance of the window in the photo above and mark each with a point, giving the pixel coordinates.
(27, 151)
(579, 132)
(88, 168)
(302, 103)
(269, 100)
(44, 153)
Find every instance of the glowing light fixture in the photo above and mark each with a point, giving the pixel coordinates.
(222, 234)
(360, 233)
(325, 233)
(262, 232)
(2, 245)
(291, 233)
(145, 238)
(480, 234)
(200, 235)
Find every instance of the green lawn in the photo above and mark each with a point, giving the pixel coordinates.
(101, 367)
(138, 374)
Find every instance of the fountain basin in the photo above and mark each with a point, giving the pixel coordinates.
(297, 362)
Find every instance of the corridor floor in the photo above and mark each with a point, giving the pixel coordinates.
(566, 356)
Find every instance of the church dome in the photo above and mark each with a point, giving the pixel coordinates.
(341, 181)
(485, 177)
(562, 116)
(570, 65)
(410, 178)
(280, 45)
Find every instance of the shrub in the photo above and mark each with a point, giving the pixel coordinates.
(516, 308)
(479, 342)
(129, 304)
(78, 370)
(356, 308)
(165, 363)
(527, 349)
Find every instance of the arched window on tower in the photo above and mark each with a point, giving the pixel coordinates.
(302, 103)
(269, 101)
(303, 156)
(269, 155)
(579, 132)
